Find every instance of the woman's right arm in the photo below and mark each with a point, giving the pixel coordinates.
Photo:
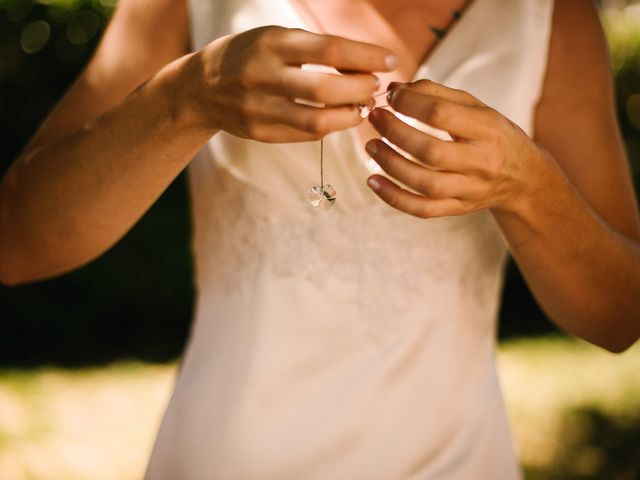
(142, 109)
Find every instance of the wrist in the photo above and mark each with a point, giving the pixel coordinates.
(535, 196)
(179, 103)
(536, 174)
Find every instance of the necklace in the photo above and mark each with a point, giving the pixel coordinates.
(322, 197)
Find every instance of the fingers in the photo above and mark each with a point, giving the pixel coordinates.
(325, 88)
(298, 47)
(265, 117)
(423, 180)
(454, 180)
(433, 152)
(411, 203)
(318, 121)
(428, 87)
(459, 119)
(279, 133)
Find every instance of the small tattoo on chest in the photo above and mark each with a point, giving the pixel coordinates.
(441, 32)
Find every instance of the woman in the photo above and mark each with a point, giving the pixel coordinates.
(360, 343)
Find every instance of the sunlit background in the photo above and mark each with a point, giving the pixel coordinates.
(87, 361)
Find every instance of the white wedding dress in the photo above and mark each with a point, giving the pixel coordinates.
(357, 344)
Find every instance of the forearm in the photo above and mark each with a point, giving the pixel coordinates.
(585, 274)
(70, 200)
(65, 203)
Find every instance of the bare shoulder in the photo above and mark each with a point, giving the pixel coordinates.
(576, 119)
(147, 31)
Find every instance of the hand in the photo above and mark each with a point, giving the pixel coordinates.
(246, 84)
(491, 163)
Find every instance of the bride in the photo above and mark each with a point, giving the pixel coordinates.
(357, 342)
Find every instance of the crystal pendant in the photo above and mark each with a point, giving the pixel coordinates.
(322, 198)
(365, 110)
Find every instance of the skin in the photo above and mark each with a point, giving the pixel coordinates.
(398, 25)
(75, 191)
(563, 200)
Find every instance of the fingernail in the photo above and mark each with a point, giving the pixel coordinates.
(373, 183)
(391, 96)
(391, 62)
(373, 114)
(371, 147)
(377, 80)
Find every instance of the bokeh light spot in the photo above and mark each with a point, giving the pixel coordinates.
(59, 13)
(83, 27)
(35, 36)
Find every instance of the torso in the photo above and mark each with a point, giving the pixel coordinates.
(404, 27)
(318, 342)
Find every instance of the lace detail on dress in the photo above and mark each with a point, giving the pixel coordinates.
(293, 308)
(385, 262)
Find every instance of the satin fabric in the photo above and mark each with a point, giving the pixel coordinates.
(356, 344)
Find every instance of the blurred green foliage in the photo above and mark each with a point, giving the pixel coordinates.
(596, 446)
(574, 408)
(136, 300)
(623, 32)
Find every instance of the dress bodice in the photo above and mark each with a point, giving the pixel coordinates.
(358, 343)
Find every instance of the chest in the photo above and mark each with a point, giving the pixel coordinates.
(497, 52)
(406, 27)
(409, 28)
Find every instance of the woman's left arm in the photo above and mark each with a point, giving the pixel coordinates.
(564, 201)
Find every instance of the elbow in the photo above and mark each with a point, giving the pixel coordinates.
(7, 279)
(14, 273)
(621, 335)
(618, 347)
(20, 266)
(20, 263)
(9, 273)
(615, 333)
(624, 332)
(14, 261)
(620, 344)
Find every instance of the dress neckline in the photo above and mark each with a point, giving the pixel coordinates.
(425, 69)
(431, 56)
